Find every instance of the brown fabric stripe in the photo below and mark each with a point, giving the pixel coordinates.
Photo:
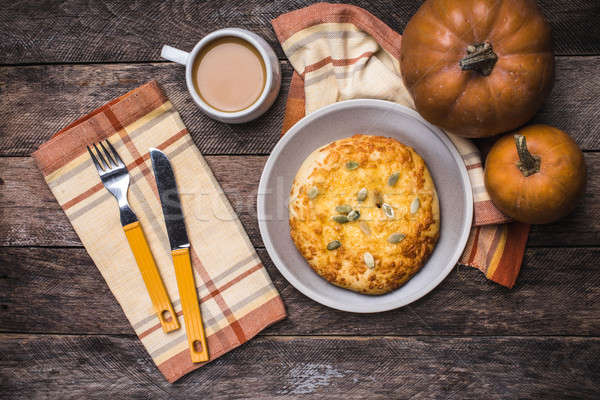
(510, 263)
(475, 245)
(288, 24)
(69, 143)
(169, 141)
(135, 163)
(232, 282)
(113, 120)
(473, 166)
(210, 285)
(135, 154)
(255, 321)
(335, 62)
(209, 296)
(79, 198)
(294, 107)
(139, 161)
(155, 327)
(296, 87)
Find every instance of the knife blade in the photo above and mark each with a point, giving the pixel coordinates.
(169, 200)
(180, 252)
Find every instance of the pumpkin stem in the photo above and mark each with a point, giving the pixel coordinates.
(529, 164)
(480, 57)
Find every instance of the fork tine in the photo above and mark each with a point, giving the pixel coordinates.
(96, 163)
(121, 163)
(108, 156)
(102, 160)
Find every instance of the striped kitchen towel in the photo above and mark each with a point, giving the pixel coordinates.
(342, 52)
(237, 297)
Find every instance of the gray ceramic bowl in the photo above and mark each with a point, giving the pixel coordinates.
(338, 121)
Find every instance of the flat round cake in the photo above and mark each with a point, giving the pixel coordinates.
(364, 213)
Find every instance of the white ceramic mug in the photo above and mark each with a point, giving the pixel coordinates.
(272, 84)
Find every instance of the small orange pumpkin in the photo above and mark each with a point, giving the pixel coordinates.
(536, 175)
(477, 67)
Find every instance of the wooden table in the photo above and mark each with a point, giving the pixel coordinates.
(64, 336)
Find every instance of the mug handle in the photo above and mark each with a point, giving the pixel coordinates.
(175, 55)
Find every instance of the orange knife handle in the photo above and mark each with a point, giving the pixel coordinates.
(154, 284)
(190, 305)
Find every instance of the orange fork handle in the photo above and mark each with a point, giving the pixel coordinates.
(190, 305)
(154, 284)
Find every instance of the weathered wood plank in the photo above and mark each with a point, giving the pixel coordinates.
(556, 294)
(83, 31)
(75, 367)
(31, 217)
(37, 101)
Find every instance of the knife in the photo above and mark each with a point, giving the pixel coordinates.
(180, 251)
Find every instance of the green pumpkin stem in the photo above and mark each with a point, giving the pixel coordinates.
(480, 57)
(528, 163)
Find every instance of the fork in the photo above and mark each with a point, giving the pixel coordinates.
(115, 178)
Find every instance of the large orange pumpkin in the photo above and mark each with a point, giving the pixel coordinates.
(478, 67)
(535, 176)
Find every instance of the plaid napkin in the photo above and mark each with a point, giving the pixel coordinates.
(342, 52)
(237, 297)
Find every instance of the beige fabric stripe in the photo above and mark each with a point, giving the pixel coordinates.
(479, 189)
(301, 35)
(294, 46)
(471, 158)
(168, 345)
(339, 72)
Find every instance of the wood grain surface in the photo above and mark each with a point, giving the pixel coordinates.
(330, 367)
(64, 336)
(106, 31)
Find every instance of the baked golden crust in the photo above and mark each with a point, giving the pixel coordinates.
(333, 176)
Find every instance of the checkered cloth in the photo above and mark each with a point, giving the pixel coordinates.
(237, 297)
(342, 52)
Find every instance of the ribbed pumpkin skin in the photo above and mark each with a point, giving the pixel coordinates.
(545, 196)
(465, 102)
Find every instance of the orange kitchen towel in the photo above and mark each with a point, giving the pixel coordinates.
(237, 297)
(342, 52)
